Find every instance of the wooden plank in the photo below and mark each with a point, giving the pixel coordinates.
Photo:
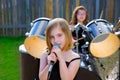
(27, 11)
(32, 10)
(2, 6)
(67, 9)
(110, 7)
(14, 2)
(62, 11)
(5, 12)
(0, 13)
(116, 13)
(77, 2)
(57, 9)
(49, 8)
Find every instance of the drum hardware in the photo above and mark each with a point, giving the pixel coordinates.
(27, 34)
(117, 33)
(77, 28)
(76, 41)
(100, 30)
(87, 60)
(88, 37)
(96, 23)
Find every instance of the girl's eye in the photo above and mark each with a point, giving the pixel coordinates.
(51, 37)
(59, 35)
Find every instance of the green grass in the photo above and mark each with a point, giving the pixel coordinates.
(10, 58)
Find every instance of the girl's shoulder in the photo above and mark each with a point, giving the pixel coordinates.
(75, 54)
(75, 57)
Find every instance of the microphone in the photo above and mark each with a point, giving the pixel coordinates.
(57, 45)
(50, 69)
(52, 63)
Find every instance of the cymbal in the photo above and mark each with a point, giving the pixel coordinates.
(35, 46)
(104, 45)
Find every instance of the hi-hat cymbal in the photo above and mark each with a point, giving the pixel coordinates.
(35, 46)
(104, 45)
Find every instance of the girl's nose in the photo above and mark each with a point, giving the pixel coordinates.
(56, 40)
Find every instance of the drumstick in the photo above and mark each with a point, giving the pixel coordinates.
(79, 39)
(101, 14)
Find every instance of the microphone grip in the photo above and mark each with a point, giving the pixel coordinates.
(50, 69)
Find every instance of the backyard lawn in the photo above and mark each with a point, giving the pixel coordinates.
(10, 58)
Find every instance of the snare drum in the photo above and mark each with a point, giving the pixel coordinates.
(98, 26)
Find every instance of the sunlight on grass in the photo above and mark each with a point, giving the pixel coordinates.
(10, 58)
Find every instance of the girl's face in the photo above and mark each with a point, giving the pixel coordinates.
(81, 15)
(57, 36)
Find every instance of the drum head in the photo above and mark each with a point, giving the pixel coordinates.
(104, 45)
(35, 46)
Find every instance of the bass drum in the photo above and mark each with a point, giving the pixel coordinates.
(96, 27)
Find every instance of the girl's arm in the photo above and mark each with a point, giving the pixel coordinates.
(45, 64)
(68, 73)
(43, 70)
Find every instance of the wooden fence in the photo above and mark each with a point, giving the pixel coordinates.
(16, 15)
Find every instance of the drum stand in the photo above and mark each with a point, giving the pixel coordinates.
(87, 60)
(76, 43)
(85, 57)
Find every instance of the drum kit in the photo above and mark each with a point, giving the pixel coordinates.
(101, 43)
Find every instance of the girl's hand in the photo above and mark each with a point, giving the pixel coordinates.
(51, 57)
(57, 52)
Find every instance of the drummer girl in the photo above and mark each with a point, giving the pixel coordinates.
(79, 16)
